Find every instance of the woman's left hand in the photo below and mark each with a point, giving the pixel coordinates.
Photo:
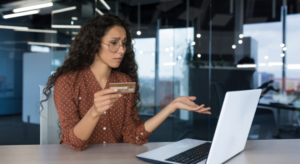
(186, 103)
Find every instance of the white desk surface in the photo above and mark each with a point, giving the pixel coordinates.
(256, 152)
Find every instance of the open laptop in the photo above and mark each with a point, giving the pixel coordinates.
(230, 136)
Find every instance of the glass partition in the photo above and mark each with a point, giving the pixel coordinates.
(204, 49)
(257, 42)
(145, 57)
(24, 65)
(67, 19)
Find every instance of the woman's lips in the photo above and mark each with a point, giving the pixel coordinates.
(118, 59)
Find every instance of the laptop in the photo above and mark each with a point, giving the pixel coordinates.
(229, 140)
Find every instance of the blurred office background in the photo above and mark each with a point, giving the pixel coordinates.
(202, 48)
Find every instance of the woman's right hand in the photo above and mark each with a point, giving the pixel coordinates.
(105, 99)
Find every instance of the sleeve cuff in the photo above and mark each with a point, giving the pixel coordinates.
(75, 142)
(142, 133)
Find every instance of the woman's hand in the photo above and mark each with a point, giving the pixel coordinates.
(186, 103)
(183, 102)
(104, 99)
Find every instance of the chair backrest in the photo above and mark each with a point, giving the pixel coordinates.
(49, 130)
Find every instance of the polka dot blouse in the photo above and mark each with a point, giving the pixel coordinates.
(74, 96)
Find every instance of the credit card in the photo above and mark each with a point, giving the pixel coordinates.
(123, 87)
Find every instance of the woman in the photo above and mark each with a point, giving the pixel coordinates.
(89, 112)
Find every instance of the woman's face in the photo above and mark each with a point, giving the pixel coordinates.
(110, 55)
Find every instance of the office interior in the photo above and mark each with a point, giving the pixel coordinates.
(201, 48)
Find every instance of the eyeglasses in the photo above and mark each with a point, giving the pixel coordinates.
(114, 46)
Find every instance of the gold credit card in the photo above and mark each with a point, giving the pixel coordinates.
(123, 87)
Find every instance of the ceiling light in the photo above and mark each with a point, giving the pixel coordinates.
(241, 35)
(138, 32)
(99, 12)
(171, 63)
(284, 48)
(198, 35)
(240, 41)
(233, 46)
(64, 10)
(262, 64)
(21, 14)
(171, 48)
(167, 49)
(74, 18)
(34, 48)
(293, 66)
(266, 57)
(179, 57)
(199, 55)
(105, 4)
(48, 44)
(74, 33)
(193, 43)
(275, 64)
(141, 52)
(13, 27)
(171, 54)
(152, 54)
(36, 30)
(281, 45)
(33, 7)
(282, 54)
(65, 26)
(246, 65)
(73, 38)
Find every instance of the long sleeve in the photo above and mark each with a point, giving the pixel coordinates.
(133, 126)
(68, 113)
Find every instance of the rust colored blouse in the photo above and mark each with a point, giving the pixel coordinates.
(74, 96)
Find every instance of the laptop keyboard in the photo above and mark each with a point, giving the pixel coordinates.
(193, 155)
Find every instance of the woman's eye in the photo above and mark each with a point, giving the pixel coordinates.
(113, 43)
(124, 44)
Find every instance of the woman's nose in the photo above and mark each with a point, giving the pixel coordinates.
(121, 49)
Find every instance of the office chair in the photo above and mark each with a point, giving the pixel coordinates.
(49, 130)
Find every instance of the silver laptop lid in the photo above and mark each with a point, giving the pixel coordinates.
(234, 125)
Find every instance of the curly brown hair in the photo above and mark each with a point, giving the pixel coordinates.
(87, 44)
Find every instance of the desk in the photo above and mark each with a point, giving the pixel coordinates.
(279, 107)
(256, 152)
